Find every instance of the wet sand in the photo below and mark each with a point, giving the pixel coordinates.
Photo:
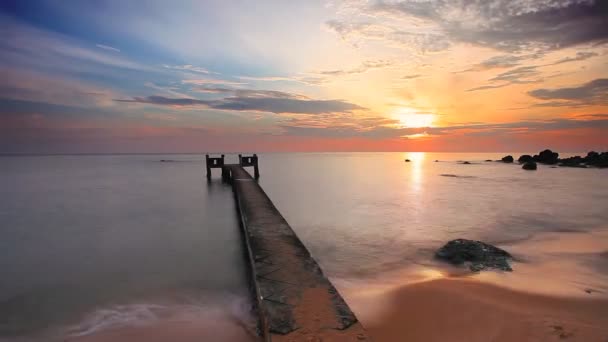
(470, 310)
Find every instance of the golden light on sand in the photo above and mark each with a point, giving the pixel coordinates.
(410, 118)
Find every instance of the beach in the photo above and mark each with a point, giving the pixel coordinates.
(471, 310)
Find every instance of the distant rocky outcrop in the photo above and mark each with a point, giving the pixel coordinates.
(597, 159)
(531, 165)
(547, 157)
(576, 161)
(407, 160)
(525, 158)
(466, 163)
(507, 159)
(477, 254)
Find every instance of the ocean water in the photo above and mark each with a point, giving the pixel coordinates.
(91, 243)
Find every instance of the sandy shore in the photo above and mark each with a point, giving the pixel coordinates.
(470, 310)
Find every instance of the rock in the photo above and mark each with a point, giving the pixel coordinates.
(466, 163)
(480, 255)
(529, 166)
(572, 162)
(507, 159)
(407, 160)
(547, 157)
(596, 159)
(488, 160)
(525, 158)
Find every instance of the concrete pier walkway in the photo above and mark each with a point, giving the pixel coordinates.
(295, 300)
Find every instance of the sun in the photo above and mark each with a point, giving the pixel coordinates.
(411, 119)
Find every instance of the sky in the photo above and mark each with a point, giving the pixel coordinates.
(155, 76)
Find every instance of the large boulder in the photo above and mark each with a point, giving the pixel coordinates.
(507, 159)
(547, 157)
(525, 158)
(478, 255)
(529, 166)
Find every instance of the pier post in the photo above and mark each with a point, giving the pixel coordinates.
(208, 168)
(247, 161)
(256, 170)
(213, 163)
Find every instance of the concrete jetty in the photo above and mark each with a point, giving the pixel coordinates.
(295, 300)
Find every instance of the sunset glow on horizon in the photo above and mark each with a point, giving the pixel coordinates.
(351, 75)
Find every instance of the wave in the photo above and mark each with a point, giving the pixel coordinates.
(235, 310)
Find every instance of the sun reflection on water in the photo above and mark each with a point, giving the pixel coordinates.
(416, 175)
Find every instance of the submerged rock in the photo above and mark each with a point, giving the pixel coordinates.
(407, 160)
(507, 159)
(525, 158)
(478, 254)
(466, 163)
(529, 166)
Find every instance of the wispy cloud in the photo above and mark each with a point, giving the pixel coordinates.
(107, 47)
(591, 93)
(256, 100)
(188, 68)
(580, 56)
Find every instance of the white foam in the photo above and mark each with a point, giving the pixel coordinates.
(142, 314)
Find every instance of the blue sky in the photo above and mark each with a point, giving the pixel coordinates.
(193, 76)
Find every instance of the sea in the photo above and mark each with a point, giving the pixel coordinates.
(91, 243)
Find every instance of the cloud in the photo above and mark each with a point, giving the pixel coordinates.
(410, 77)
(107, 47)
(580, 56)
(388, 131)
(257, 100)
(29, 85)
(486, 87)
(591, 93)
(501, 24)
(501, 62)
(524, 74)
(207, 81)
(519, 75)
(323, 76)
(364, 67)
(188, 68)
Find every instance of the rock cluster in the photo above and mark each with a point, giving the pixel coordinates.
(549, 157)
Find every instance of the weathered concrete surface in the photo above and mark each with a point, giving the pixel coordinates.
(297, 302)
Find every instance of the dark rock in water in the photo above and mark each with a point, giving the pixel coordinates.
(597, 159)
(547, 157)
(466, 163)
(507, 159)
(488, 160)
(529, 166)
(407, 160)
(525, 158)
(572, 162)
(436, 161)
(480, 255)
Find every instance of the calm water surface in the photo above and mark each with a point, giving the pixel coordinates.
(93, 242)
